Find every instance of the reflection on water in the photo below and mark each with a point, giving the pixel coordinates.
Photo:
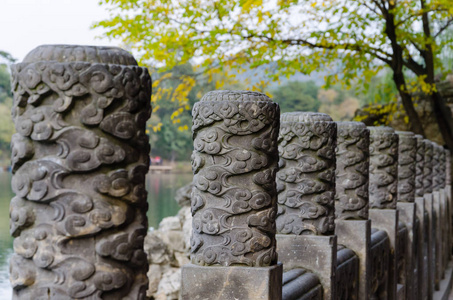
(161, 194)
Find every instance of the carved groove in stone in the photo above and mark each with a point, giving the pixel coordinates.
(437, 180)
(383, 167)
(79, 161)
(428, 167)
(234, 199)
(407, 155)
(442, 167)
(306, 179)
(447, 167)
(419, 165)
(351, 174)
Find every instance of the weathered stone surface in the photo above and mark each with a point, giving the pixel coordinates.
(306, 179)
(347, 274)
(379, 255)
(232, 282)
(388, 220)
(423, 244)
(316, 253)
(437, 169)
(383, 167)
(234, 200)
(428, 167)
(407, 215)
(79, 159)
(301, 284)
(351, 174)
(419, 166)
(407, 155)
(355, 235)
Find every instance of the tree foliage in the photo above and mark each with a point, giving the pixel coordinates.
(297, 96)
(358, 38)
(6, 101)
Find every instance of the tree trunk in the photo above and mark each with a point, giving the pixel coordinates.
(406, 98)
(444, 118)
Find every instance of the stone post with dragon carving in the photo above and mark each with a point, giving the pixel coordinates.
(79, 160)
(234, 199)
(383, 193)
(422, 280)
(306, 187)
(407, 156)
(352, 227)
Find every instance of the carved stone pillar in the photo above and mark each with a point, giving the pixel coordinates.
(407, 155)
(234, 199)
(437, 181)
(352, 227)
(306, 187)
(428, 189)
(383, 193)
(422, 279)
(79, 160)
(444, 220)
(449, 196)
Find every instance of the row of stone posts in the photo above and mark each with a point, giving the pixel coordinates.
(352, 212)
(294, 206)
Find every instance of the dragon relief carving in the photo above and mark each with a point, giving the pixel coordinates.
(419, 166)
(351, 174)
(407, 155)
(428, 166)
(383, 167)
(79, 161)
(306, 179)
(234, 164)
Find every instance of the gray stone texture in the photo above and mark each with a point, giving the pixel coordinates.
(79, 160)
(387, 220)
(232, 282)
(421, 242)
(347, 274)
(316, 253)
(419, 166)
(437, 181)
(306, 179)
(234, 199)
(351, 174)
(407, 155)
(301, 285)
(356, 235)
(379, 257)
(383, 167)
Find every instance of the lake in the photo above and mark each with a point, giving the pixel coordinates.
(161, 198)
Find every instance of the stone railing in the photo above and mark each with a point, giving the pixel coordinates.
(284, 207)
(353, 212)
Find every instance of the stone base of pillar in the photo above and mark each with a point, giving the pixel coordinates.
(318, 254)
(233, 282)
(444, 220)
(407, 215)
(438, 239)
(387, 220)
(423, 244)
(356, 235)
(445, 285)
(431, 242)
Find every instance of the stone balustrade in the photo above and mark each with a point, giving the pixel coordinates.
(363, 213)
(284, 207)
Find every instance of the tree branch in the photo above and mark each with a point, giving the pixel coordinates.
(449, 22)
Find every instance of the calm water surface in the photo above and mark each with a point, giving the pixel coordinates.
(161, 198)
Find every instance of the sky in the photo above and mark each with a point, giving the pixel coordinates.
(26, 24)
